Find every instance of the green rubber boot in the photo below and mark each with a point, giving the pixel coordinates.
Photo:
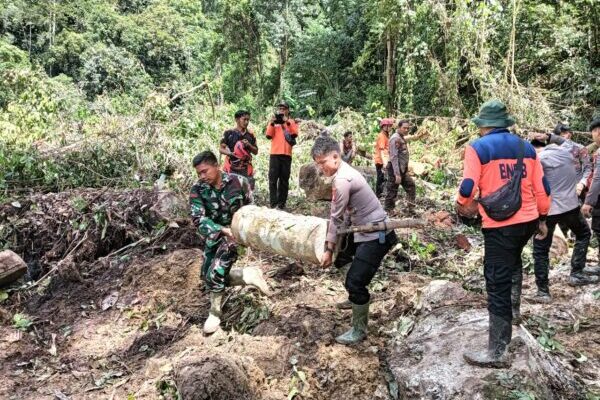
(360, 318)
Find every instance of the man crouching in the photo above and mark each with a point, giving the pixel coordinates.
(352, 195)
(214, 199)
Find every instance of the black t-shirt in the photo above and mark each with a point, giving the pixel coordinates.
(230, 138)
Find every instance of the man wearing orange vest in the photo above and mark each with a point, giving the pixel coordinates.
(282, 132)
(490, 162)
(381, 155)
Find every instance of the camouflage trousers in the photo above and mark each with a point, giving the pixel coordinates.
(218, 261)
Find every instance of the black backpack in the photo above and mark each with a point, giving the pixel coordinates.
(506, 201)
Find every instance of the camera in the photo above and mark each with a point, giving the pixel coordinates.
(278, 118)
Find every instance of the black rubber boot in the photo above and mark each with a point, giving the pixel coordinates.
(542, 295)
(581, 279)
(496, 356)
(515, 297)
(591, 270)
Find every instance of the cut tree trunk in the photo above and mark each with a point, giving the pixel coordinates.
(12, 267)
(299, 237)
(316, 186)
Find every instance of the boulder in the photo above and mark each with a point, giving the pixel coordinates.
(560, 246)
(213, 377)
(429, 364)
(12, 267)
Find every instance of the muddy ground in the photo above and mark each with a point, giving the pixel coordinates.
(128, 325)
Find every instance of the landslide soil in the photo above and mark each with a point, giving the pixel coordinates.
(131, 324)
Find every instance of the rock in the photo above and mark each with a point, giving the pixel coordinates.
(429, 364)
(560, 246)
(418, 168)
(12, 267)
(462, 242)
(440, 219)
(169, 206)
(441, 293)
(316, 186)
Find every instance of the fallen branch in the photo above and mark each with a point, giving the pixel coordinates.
(178, 95)
(58, 264)
(550, 371)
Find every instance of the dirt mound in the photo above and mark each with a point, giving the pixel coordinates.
(309, 130)
(82, 225)
(212, 377)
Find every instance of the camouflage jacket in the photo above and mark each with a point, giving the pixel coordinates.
(212, 208)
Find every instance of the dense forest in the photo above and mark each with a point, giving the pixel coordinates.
(422, 57)
(104, 104)
(71, 70)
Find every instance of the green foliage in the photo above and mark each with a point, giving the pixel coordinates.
(545, 334)
(21, 322)
(151, 70)
(112, 69)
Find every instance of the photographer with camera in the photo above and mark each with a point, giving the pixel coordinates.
(282, 131)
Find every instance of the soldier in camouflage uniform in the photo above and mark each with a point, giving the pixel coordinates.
(213, 200)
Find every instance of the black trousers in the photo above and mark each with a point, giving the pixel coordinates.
(501, 261)
(574, 221)
(280, 167)
(380, 179)
(366, 258)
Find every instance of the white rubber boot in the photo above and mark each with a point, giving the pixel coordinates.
(213, 322)
(249, 276)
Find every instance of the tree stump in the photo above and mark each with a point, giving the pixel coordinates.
(317, 187)
(299, 237)
(12, 267)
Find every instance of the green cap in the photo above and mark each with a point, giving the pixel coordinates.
(493, 114)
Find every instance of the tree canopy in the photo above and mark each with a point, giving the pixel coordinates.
(422, 57)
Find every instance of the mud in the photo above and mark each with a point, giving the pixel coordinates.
(212, 377)
(126, 325)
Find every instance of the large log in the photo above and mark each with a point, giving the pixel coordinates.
(12, 267)
(296, 236)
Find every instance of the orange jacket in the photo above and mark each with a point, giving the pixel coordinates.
(381, 155)
(278, 143)
(490, 162)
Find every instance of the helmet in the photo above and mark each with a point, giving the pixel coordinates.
(386, 121)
